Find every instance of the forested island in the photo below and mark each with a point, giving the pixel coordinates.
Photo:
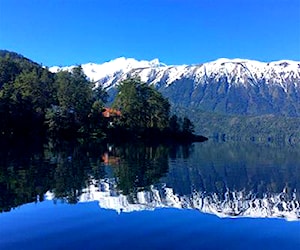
(68, 105)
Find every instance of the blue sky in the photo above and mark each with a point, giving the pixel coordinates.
(66, 32)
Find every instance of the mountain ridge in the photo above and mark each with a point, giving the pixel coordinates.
(229, 86)
(127, 65)
(225, 98)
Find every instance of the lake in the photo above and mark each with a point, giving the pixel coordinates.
(207, 195)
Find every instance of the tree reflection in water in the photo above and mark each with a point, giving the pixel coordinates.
(139, 166)
(28, 171)
(213, 171)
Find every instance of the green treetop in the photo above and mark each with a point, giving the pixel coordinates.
(142, 107)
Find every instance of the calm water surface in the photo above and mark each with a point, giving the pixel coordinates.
(200, 196)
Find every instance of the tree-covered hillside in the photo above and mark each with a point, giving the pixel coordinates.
(36, 102)
(264, 128)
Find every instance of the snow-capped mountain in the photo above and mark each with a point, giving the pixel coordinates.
(236, 86)
(237, 71)
(231, 204)
(112, 68)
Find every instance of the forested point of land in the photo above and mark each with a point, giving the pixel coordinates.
(36, 102)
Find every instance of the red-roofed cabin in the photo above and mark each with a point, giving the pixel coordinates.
(110, 160)
(109, 112)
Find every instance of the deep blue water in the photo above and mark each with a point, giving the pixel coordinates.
(254, 189)
(85, 226)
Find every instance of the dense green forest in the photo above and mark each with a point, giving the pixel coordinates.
(34, 101)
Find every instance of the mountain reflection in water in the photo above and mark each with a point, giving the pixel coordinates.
(225, 179)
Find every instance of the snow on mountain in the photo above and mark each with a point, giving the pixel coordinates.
(111, 68)
(236, 71)
(231, 204)
(224, 86)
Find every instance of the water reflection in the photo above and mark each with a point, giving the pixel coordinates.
(28, 171)
(223, 179)
(139, 166)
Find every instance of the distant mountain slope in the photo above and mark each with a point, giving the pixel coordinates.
(224, 86)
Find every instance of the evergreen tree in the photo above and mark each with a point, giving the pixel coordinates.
(8, 71)
(74, 102)
(142, 107)
(187, 127)
(26, 91)
(174, 125)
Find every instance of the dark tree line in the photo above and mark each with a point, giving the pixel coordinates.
(145, 113)
(142, 107)
(34, 101)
